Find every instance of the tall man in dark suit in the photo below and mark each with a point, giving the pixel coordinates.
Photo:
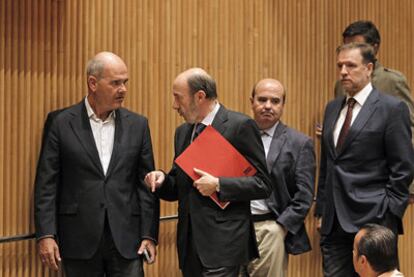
(386, 80)
(212, 241)
(279, 219)
(366, 160)
(91, 206)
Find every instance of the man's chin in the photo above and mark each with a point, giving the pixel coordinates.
(265, 123)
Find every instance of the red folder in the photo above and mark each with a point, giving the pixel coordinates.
(212, 153)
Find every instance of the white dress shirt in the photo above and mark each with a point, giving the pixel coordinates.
(103, 133)
(260, 206)
(208, 120)
(394, 273)
(360, 98)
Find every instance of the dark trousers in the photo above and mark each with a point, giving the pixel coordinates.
(194, 268)
(106, 262)
(338, 245)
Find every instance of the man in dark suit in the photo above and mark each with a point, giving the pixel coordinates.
(212, 241)
(279, 219)
(91, 206)
(386, 80)
(366, 160)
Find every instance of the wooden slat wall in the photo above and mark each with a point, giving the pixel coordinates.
(45, 44)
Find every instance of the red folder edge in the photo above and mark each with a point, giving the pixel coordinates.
(220, 154)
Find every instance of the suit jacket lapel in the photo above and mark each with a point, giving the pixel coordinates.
(121, 124)
(278, 140)
(82, 128)
(364, 114)
(183, 138)
(219, 122)
(331, 119)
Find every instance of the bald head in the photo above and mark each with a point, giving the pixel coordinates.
(268, 83)
(107, 76)
(194, 94)
(97, 64)
(268, 98)
(193, 72)
(198, 79)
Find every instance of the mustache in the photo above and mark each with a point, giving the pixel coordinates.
(267, 112)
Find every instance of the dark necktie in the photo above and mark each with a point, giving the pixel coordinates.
(347, 123)
(264, 133)
(199, 128)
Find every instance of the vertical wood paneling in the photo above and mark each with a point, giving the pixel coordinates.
(45, 44)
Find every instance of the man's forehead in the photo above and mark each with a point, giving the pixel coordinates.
(268, 94)
(350, 52)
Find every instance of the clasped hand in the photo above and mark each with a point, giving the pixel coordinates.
(207, 184)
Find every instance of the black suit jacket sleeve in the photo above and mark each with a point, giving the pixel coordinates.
(169, 191)
(399, 154)
(149, 204)
(47, 176)
(248, 142)
(321, 194)
(294, 214)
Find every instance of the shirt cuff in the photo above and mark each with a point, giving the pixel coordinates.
(149, 238)
(45, 237)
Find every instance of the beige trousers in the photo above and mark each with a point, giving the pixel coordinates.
(273, 259)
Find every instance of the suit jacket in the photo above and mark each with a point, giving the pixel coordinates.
(72, 194)
(370, 175)
(392, 82)
(291, 163)
(221, 237)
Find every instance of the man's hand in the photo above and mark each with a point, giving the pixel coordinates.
(411, 199)
(49, 253)
(151, 249)
(207, 184)
(285, 231)
(154, 179)
(318, 224)
(318, 130)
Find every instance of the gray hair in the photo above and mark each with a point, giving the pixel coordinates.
(95, 67)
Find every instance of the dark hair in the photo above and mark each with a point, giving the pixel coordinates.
(202, 82)
(364, 28)
(367, 51)
(379, 245)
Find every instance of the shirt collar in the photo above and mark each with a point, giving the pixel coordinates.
(208, 120)
(362, 95)
(91, 113)
(270, 131)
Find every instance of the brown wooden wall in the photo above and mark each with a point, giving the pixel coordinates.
(45, 44)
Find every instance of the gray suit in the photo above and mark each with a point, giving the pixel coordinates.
(291, 163)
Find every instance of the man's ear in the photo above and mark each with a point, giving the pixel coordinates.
(251, 100)
(376, 48)
(370, 67)
(200, 95)
(92, 83)
(364, 259)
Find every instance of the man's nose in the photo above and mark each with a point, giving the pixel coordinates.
(175, 105)
(268, 104)
(123, 88)
(343, 70)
